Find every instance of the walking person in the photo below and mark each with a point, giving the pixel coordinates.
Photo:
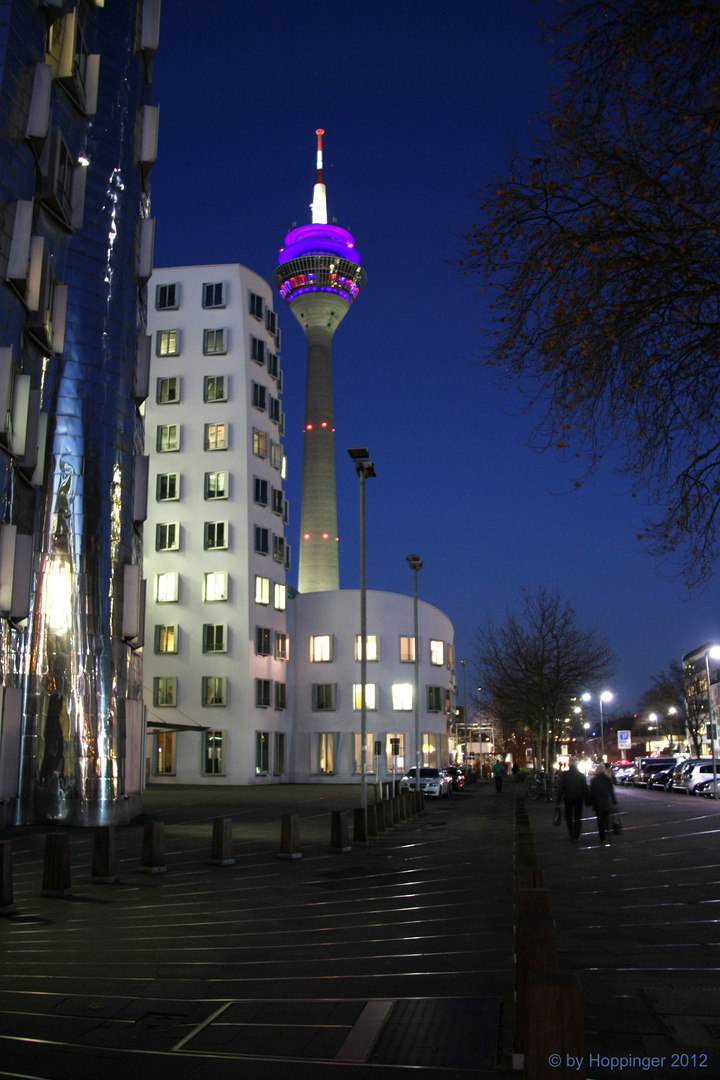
(602, 798)
(498, 771)
(574, 793)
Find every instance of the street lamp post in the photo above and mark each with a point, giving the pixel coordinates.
(605, 696)
(713, 651)
(465, 715)
(416, 564)
(365, 470)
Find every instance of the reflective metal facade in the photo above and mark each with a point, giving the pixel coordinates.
(78, 672)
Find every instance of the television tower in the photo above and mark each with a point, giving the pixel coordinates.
(319, 275)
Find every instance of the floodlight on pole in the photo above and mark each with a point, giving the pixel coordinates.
(415, 565)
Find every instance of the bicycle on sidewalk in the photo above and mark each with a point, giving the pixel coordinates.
(541, 785)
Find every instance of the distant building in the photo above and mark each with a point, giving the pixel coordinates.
(217, 691)
(79, 137)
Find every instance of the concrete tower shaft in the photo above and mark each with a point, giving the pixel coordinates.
(319, 275)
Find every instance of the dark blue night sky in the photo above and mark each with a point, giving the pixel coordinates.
(420, 102)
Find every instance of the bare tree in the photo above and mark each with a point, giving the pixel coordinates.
(536, 661)
(666, 698)
(602, 250)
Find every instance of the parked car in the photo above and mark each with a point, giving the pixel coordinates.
(663, 778)
(624, 770)
(694, 775)
(683, 767)
(433, 782)
(647, 769)
(708, 788)
(457, 777)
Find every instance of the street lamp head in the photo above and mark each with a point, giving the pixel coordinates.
(606, 695)
(586, 696)
(714, 652)
(415, 562)
(359, 453)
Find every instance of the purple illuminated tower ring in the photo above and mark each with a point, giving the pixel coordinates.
(319, 276)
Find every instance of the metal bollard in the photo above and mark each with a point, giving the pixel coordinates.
(152, 860)
(339, 837)
(361, 831)
(221, 846)
(56, 865)
(372, 820)
(289, 837)
(7, 905)
(104, 869)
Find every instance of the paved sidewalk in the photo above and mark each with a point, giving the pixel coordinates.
(391, 960)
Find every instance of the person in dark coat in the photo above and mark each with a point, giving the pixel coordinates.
(602, 798)
(574, 793)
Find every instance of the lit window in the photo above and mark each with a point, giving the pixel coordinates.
(213, 690)
(216, 437)
(262, 590)
(262, 752)
(402, 697)
(276, 455)
(370, 698)
(164, 691)
(395, 749)
(437, 653)
(216, 485)
(262, 540)
(165, 753)
(168, 438)
(167, 536)
(434, 698)
(168, 487)
(323, 696)
(214, 753)
(372, 647)
(214, 342)
(259, 396)
(262, 693)
(166, 297)
(261, 491)
(280, 695)
(407, 650)
(215, 388)
(214, 638)
(260, 441)
(166, 638)
(168, 390)
(326, 751)
(213, 294)
(451, 657)
(257, 350)
(279, 597)
(321, 647)
(166, 588)
(281, 646)
(215, 586)
(167, 343)
(216, 535)
(256, 305)
(263, 637)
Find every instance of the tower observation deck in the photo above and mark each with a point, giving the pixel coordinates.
(319, 276)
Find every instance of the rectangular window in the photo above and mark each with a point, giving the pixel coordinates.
(256, 305)
(259, 396)
(277, 500)
(372, 647)
(281, 646)
(276, 455)
(215, 388)
(434, 698)
(437, 653)
(321, 647)
(214, 753)
(215, 586)
(280, 695)
(168, 438)
(273, 365)
(395, 749)
(166, 297)
(213, 690)
(271, 321)
(326, 752)
(168, 390)
(262, 540)
(165, 753)
(164, 691)
(214, 638)
(274, 410)
(168, 487)
(260, 443)
(262, 752)
(357, 753)
(167, 343)
(370, 698)
(323, 698)
(213, 294)
(257, 350)
(279, 597)
(214, 342)
(167, 536)
(216, 535)
(216, 485)
(262, 590)
(263, 638)
(262, 693)
(429, 752)
(216, 436)
(279, 548)
(279, 755)
(166, 588)
(407, 650)
(402, 697)
(261, 491)
(166, 639)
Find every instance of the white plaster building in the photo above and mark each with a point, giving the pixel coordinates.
(216, 687)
